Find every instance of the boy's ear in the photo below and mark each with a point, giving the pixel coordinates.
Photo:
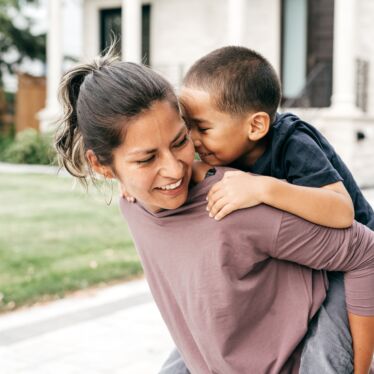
(259, 124)
(97, 167)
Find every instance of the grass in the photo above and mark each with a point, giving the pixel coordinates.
(54, 240)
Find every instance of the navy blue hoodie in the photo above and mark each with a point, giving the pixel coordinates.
(300, 154)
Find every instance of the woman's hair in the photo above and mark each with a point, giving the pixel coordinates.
(99, 100)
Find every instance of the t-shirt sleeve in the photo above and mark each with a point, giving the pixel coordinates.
(306, 163)
(349, 250)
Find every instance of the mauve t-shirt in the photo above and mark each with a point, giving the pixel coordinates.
(237, 294)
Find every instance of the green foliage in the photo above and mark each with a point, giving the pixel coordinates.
(29, 147)
(5, 141)
(10, 99)
(17, 42)
(17, 39)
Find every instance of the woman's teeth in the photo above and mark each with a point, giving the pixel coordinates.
(172, 186)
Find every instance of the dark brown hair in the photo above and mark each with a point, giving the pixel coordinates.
(238, 79)
(99, 99)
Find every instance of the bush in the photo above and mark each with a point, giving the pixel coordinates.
(30, 147)
(5, 141)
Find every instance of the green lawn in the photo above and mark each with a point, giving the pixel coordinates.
(55, 239)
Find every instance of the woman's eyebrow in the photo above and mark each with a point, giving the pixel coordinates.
(152, 150)
(136, 151)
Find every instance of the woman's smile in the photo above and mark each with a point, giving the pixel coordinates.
(173, 189)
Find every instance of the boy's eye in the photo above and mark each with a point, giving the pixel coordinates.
(202, 129)
(146, 161)
(182, 142)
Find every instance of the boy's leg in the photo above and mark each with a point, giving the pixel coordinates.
(174, 364)
(328, 344)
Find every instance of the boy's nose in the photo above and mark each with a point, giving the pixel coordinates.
(195, 138)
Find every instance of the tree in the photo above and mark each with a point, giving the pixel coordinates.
(17, 42)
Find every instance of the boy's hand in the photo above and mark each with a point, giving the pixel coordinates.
(236, 190)
(125, 194)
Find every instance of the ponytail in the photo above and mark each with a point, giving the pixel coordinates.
(69, 140)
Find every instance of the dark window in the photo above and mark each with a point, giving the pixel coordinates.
(310, 85)
(110, 26)
(146, 34)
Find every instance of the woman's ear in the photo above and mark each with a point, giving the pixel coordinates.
(259, 125)
(97, 167)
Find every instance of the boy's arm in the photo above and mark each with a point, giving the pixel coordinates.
(350, 250)
(329, 206)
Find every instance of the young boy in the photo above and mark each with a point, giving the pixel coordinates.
(230, 98)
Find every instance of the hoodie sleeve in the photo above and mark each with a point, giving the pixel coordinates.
(306, 163)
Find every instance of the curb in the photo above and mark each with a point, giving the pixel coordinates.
(32, 169)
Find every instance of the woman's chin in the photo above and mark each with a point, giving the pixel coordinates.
(175, 199)
(162, 199)
(168, 204)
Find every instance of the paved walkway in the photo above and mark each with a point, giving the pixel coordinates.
(31, 169)
(102, 331)
(107, 331)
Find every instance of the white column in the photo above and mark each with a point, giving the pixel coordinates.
(236, 20)
(54, 64)
(131, 30)
(343, 97)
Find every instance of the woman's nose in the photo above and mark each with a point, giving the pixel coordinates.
(171, 166)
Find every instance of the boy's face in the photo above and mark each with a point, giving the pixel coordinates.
(218, 137)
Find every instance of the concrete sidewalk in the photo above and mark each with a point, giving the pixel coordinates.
(113, 330)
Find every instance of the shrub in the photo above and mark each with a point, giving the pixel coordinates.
(5, 141)
(30, 147)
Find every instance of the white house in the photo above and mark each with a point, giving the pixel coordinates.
(322, 49)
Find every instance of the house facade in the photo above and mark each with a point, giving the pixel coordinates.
(322, 50)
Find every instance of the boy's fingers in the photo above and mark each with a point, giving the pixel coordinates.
(214, 189)
(230, 173)
(214, 198)
(126, 195)
(217, 206)
(227, 209)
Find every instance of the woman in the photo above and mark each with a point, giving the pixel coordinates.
(236, 295)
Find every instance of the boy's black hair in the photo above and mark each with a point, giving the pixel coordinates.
(238, 79)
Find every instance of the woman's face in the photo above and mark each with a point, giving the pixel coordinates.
(154, 163)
